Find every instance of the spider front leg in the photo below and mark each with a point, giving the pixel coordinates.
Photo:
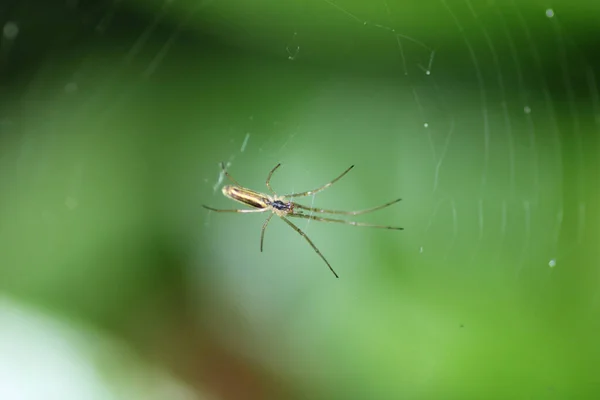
(294, 227)
(262, 231)
(319, 189)
(269, 178)
(224, 169)
(234, 210)
(343, 221)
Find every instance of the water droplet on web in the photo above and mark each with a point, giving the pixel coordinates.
(10, 31)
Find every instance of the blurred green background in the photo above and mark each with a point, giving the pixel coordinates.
(483, 116)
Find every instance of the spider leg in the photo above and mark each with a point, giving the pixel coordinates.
(269, 178)
(317, 190)
(309, 242)
(343, 221)
(324, 211)
(262, 231)
(235, 211)
(227, 174)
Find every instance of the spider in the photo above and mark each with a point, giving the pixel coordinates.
(283, 207)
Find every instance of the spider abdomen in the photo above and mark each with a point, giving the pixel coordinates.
(246, 196)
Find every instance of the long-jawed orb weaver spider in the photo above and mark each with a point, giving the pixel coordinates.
(283, 207)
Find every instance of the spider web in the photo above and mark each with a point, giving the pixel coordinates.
(517, 101)
(482, 116)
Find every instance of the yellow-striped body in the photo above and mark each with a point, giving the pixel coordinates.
(246, 196)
